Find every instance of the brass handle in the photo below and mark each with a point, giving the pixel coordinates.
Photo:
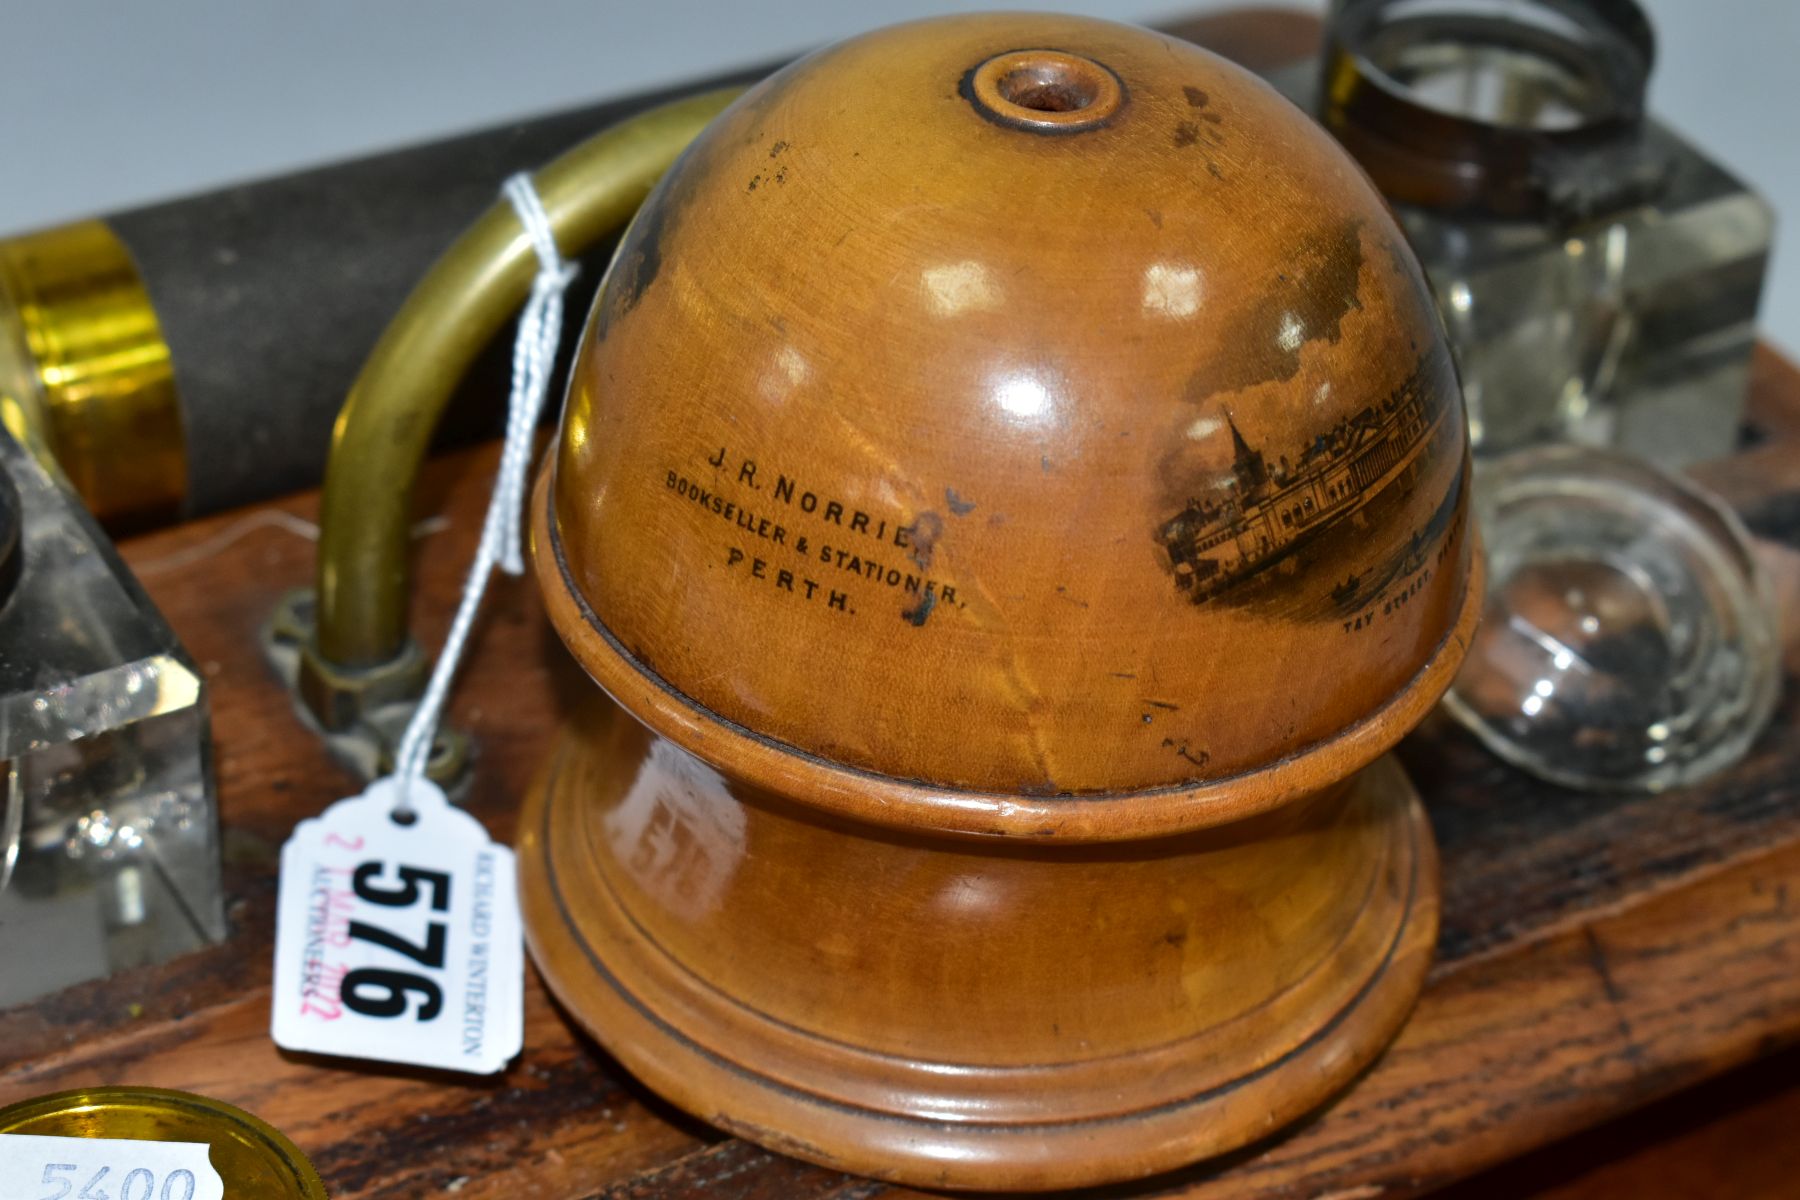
(382, 432)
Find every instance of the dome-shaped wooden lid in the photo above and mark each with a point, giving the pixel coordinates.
(1000, 409)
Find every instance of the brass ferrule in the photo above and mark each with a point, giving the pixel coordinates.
(252, 1157)
(85, 375)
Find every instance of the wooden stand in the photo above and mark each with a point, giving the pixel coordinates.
(1595, 954)
(1179, 1025)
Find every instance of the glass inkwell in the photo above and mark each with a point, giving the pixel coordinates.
(108, 831)
(1599, 278)
(1598, 275)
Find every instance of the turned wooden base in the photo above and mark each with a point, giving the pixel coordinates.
(971, 1013)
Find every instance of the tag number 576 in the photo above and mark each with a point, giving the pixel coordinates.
(381, 992)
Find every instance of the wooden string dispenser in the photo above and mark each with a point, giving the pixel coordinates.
(1011, 494)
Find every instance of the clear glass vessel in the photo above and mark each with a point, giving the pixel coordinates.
(109, 851)
(1632, 330)
(1598, 274)
(1629, 639)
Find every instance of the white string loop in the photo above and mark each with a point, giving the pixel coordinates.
(502, 544)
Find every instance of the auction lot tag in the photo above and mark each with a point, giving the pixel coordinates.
(398, 942)
(33, 1167)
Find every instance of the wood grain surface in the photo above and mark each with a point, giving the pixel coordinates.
(1731, 1137)
(1597, 954)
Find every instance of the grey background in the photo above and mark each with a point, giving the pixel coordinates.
(106, 104)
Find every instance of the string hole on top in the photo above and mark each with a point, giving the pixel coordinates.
(1045, 90)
